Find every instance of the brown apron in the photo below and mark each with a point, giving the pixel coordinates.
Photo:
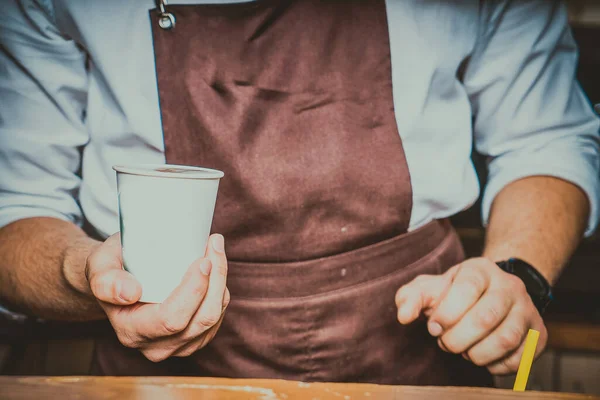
(293, 101)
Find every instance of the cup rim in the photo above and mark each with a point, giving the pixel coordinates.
(161, 171)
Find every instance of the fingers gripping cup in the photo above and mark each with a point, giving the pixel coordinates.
(165, 213)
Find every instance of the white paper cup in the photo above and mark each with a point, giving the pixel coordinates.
(165, 213)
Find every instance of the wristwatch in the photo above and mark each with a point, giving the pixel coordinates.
(537, 286)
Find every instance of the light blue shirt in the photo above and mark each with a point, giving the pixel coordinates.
(78, 90)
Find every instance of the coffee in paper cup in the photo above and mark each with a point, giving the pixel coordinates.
(165, 215)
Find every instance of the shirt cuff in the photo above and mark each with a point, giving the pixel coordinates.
(575, 169)
(11, 214)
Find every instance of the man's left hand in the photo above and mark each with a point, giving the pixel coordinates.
(477, 310)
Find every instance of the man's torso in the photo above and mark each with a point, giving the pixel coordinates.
(429, 41)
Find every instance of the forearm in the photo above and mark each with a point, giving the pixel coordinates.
(42, 264)
(540, 220)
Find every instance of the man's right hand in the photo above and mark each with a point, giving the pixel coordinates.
(184, 323)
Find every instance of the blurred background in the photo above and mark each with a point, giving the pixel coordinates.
(571, 363)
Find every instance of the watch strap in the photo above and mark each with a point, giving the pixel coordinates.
(536, 285)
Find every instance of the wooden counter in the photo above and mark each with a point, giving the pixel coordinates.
(105, 388)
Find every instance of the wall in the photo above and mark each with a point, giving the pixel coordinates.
(584, 12)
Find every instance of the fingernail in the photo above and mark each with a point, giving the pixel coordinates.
(119, 290)
(435, 329)
(218, 243)
(404, 314)
(205, 267)
(400, 316)
(127, 292)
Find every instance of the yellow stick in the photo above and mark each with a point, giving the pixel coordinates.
(526, 360)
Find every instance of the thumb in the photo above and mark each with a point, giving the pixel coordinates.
(108, 281)
(421, 295)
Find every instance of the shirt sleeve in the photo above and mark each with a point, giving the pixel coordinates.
(530, 115)
(43, 93)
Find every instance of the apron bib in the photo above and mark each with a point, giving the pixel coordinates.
(293, 101)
